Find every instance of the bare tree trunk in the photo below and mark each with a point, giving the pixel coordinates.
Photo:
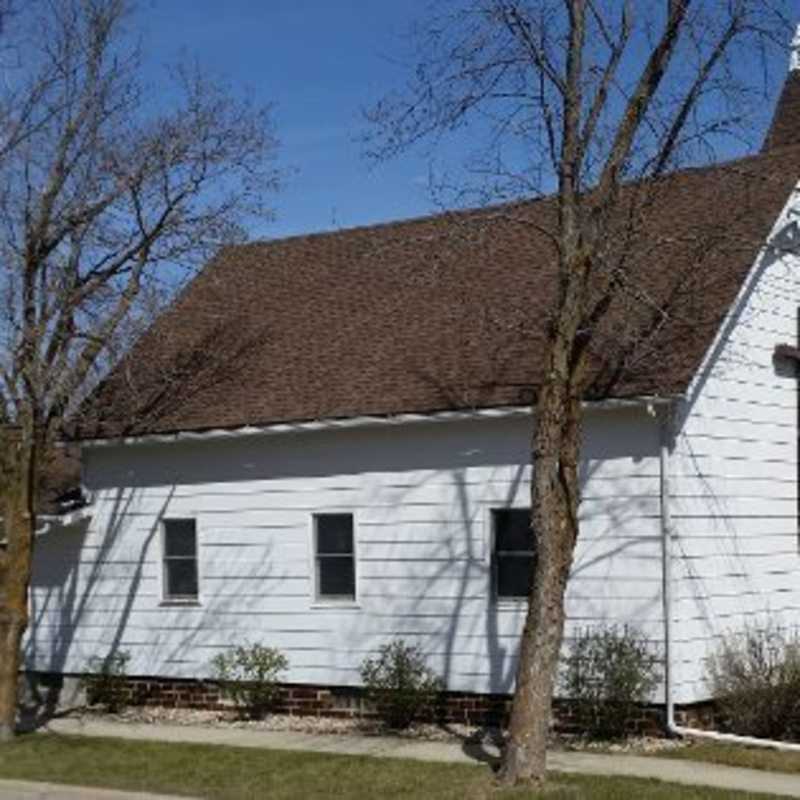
(15, 574)
(554, 509)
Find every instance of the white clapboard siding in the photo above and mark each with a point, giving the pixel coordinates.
(421, 498)
(734, 481)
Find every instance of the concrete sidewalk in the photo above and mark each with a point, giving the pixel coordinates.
(23, 790)
(671, 770)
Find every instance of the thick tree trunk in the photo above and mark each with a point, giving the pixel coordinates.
(12, 628)
(554, 508)
(15, 572)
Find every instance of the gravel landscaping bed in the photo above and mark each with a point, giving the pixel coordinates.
(155, 715)
(642, 745)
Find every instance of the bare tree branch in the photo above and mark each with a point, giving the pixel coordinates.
(105, 203)
(604, 91)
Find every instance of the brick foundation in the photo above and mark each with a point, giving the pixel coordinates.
(698, 715)
(350, 702)
(309, 700)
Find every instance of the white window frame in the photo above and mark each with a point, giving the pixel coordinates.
(316, 601)
(187, 600)
(491, 561)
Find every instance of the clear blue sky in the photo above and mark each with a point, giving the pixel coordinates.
(320, 62)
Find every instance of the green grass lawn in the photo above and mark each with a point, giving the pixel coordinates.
(230, 773)
(735, 755)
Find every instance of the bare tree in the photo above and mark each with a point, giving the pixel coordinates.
(108, 194)
(593, 101)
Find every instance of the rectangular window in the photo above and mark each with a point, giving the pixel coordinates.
(335, 557)
(180, 560)
(513, 554)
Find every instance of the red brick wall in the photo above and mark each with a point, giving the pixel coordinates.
(349, 702)
(306, 700)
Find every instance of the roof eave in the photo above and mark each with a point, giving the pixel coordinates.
(361, 422)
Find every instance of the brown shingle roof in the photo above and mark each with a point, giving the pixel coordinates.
(445, 312)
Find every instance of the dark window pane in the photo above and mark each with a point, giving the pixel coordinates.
(181, 577)
(512, 529)
(180, 537)
(514, 574)
(337, 577)
(335, 533)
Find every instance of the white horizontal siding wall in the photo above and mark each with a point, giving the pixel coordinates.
(421, 495)
(734, 480)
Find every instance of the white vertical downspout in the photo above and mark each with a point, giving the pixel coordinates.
(667, 539)
(665, 420)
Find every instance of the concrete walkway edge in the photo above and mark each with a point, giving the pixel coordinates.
(679, 771)
(25, 790)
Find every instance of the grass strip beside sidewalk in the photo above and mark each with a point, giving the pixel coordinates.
(230, 773)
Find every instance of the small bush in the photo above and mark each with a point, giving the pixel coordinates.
(249, 675)
(754, 677)
(608, 673)
(400, 684)
(104, 681)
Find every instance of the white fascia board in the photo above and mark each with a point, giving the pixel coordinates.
(347, 423)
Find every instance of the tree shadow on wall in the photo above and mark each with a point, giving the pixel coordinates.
(67, 591)
(441, 597)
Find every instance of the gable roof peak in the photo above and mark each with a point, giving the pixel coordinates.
(785, 127)
(794, 59)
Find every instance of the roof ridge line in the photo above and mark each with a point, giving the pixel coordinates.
(420, 219)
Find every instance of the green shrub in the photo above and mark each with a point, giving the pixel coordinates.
(754, 677)
(104, 680)
(248, 675)
(399, 683)
(608, 673)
